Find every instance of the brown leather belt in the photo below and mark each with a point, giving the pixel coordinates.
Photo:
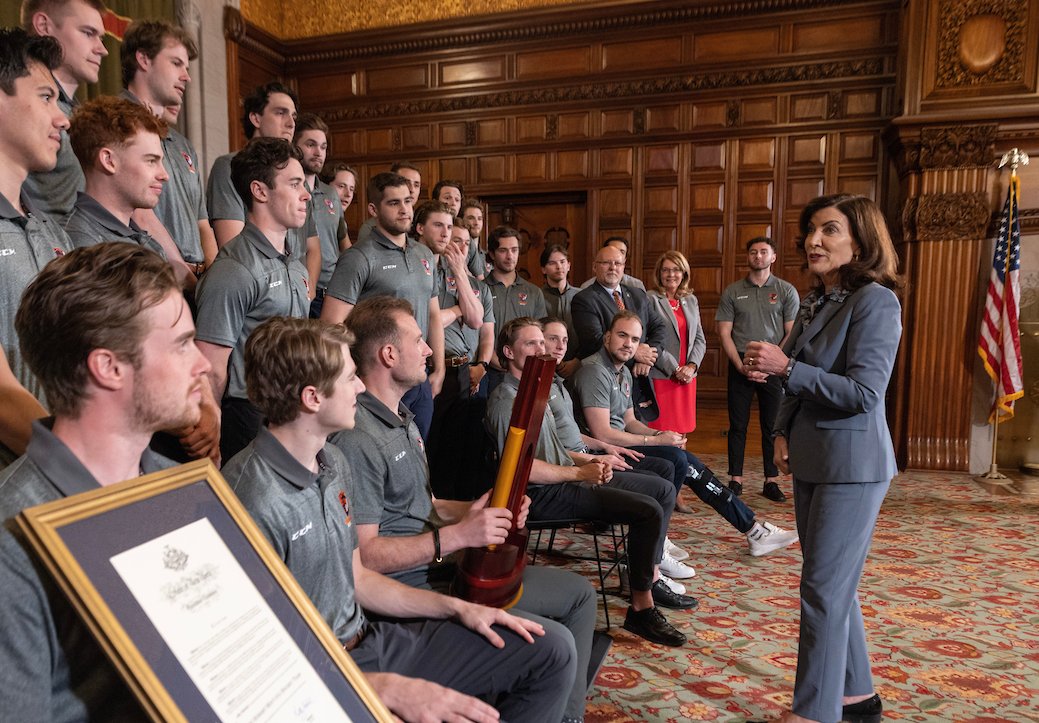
(356, 640)
(455, 361)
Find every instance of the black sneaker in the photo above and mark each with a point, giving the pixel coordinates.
(735, 487)
(668, 598)
(653, 626)
(870, 710)
(771, 491)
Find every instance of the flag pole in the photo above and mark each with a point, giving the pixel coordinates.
(1012, 158)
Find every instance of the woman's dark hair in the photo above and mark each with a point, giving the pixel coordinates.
(876, 260)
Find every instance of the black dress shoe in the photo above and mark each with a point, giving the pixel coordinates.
(771, 491)
(735, 487)
(653, 626)
(668, 598)
(870, 710)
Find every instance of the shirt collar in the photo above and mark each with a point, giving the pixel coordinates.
(103, 216)
(553, 290)
(274, 453)
(62, 468)
(255, 237)
(378, 237)
(610, 290)
(381, 412)
(770, 281)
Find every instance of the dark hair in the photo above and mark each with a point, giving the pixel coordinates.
(284, 355)
(509, 332)
(309, 122)
(373, 323)
(498, 234)
(149, 37)
(378, 184)
(331, 170)
(90, 298)
(762, 240)
(623, 315)
(546, 254)
(611, 239)
(31, 7)
(876, 260)
(259, 161)
(256, 101)
(471, 202)
(448, 184)
(108, 121)
(18, 49)
(430, 207)
(405, 164)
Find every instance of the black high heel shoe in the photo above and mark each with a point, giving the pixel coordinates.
(870, 710)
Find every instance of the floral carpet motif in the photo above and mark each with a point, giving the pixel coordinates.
(950, 595)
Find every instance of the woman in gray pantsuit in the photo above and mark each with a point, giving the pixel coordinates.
(832, 433)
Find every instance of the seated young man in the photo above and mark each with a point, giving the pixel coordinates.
(298, 488)
(602, 387)
(620, 458)
(403, 531)
(566, 484)
(108, 334)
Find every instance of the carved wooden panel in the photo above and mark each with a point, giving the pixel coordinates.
(838, 35)
(491, 169)
(551, 63)
(707, 281)
(452, 135)
(643, 54)
(381, 140)
(417, 138)
(705, 241)
(749, 43)
(661, 202)
(573, 126)
(471, 71)
(756, 154)
(531, 167)
(801, 191)
(859, 147)
(662, 159)
(382, 80)
(807, 152)
(710, 115)
(320, 90)
(615, 203)
(755, 196)
(572, 164)
(346, 143)
(616, 162)
(746, 231)
(658, 240)
(491, 132)
(454, 168)
(617, 122)
(531, 128)
(709, 156)
(808, 106)
(759, 111)
(664, 118)
(707, 198)
(858, 185)
(862, 103)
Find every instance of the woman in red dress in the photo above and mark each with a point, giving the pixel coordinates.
(674, 375)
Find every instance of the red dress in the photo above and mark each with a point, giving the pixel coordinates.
(677, 402)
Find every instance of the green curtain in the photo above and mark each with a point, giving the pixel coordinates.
(110, 80)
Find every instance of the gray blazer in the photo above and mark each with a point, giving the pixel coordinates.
(696, 346)
(833, 410)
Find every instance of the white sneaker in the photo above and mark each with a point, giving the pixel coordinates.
(674, 569)
(674, 550)
(676, 587)
(765, 537)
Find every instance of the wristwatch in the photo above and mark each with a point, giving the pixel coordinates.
(789, 368)
(480, 364)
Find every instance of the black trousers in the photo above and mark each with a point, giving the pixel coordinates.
(458, 445)
(240, 422)
(741, 392)
(643, 502)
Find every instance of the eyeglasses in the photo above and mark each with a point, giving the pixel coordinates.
(611, 264)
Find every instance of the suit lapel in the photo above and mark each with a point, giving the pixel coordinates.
(822, 318)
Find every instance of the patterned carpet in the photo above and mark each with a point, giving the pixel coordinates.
(950, 595)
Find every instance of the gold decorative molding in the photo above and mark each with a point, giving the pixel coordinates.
(957, 146)
(952, 217)
(981, 42)
(597, 91)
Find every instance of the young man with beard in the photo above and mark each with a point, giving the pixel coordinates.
(391, 262)
(412, 176)
(476, 259)
(566, 485)
(32, 130)
(155, 56)
(269, 112)
(559, 295)
(107, 332)
(255, 276)
(513, 295)
(324, 209)
(402, 529)
(300, 490)
(603, 391)
(78, 28)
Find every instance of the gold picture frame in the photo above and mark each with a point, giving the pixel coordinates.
(93, 544)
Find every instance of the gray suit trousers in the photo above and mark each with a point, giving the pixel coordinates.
(835, 523)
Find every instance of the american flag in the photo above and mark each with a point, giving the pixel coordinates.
(999, 344)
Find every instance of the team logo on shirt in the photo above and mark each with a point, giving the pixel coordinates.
(187, 159)
(452, 284)
(346, 506)
(59, 251)
(425, 265)
(773, 298)
(627, 388)
(522, 296)
(330, 207)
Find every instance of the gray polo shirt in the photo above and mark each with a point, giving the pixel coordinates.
(460, 339)
(248, 283)
(476, 260)
(54, 192)
(90, 224)
(53, 668)
(27, 243)
(758, 313)
(379, 266)
(226, 205)
(562, 406)
(597, 383)
(325, 212)
(558, 305)
(391, 477)
(512, 302)
(182, 203)
(307, 518)
(499, 412)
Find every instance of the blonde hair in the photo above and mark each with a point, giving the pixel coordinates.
(685, 287)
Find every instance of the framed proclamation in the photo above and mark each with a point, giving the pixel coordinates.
(195, 609)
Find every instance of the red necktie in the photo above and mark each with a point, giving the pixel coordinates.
(618, 300)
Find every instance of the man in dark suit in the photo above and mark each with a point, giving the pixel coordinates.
(592, 311)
